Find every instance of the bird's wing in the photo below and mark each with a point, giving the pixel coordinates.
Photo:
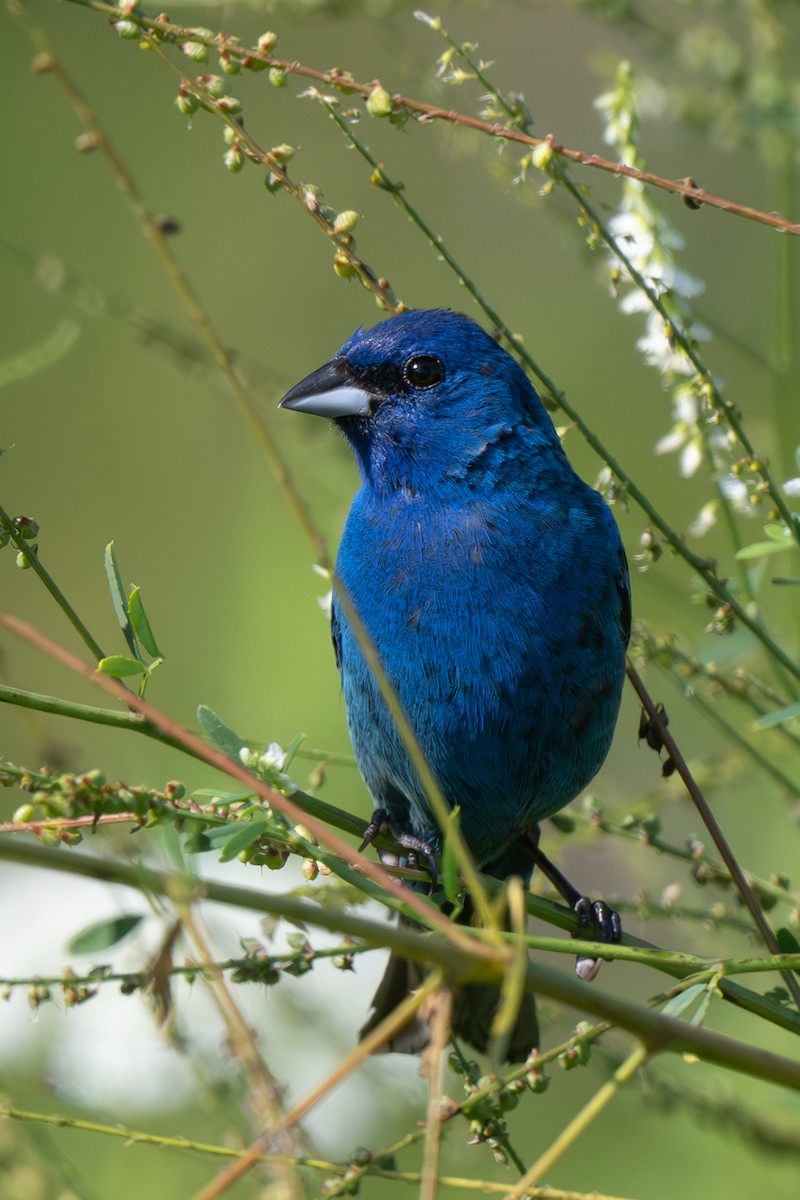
(624, 589)
(336, 636)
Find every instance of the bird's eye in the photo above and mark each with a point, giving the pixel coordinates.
(423, 371)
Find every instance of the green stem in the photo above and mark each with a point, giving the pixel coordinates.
(655, 1030)
(32, 559)
(328, 1167)
(580, 1123)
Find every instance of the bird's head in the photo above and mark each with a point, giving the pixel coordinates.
(427, 397)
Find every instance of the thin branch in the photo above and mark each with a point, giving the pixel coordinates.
(686, 189)
(374, 1040)
(140, 1137)
(434, 1068)
(32, 559)
(656, 1031)
(263, 1089)
(712, 825)
(579, 1123)
(403, 897)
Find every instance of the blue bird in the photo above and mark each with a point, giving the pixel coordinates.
(494, 585)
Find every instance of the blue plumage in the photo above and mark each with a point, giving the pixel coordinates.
(490, 577)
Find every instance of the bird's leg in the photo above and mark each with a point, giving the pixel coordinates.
(595, 919)
(416, 846)
(380, 818)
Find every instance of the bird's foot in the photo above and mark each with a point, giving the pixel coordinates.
(600, 923)
(596, 921)
(416, 847)
(380, 818)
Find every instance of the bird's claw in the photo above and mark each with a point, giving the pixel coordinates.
(379, 819)
(596, 919)
(417, 848)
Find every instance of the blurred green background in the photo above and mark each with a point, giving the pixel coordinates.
(130, 435)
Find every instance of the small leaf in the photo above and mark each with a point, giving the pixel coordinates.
(779, 717)
(140, 623)
(291, 750)
(49, 350)
(103, 934)
(678, 1004)
(118, 599)
(119, 666)
(242, 839)
(700, 1013)
(196, 841)
(787, 941)
(219, 835)
(225, 738)
(760, 549)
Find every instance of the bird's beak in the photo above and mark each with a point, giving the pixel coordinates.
(332, 391)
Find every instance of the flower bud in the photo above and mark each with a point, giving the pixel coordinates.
(277, 77)
(43, 63)
(541, 155)
(85, 143)
(215, 85)
(127, 29)
(379, 102)
(234, 159)
(343, 266)
(345, 222)
(26, 527)
(282, 153)
(187, 102)
(229, 105)
(196, 51)
(229, 65)
(267, 42)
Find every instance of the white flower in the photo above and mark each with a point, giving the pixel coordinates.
(733, 488)
(273, 756)
(705, 520)
(792, 486)
(671, 441)
(691, 458)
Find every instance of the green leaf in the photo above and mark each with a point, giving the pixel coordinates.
(222, 797)
(683, 1000)
(779, 717)
(225, 738)
(118, 599)
(219, 835)
(241, 839)
(699, 1014)
(119, 666)
(291, 750)
(196, 841)
(47, 351)
(140, 623)
(103, 934)
(759, 549)
(787, 942)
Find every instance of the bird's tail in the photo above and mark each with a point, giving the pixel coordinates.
(474, 1009)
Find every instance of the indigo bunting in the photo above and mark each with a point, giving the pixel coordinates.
(494, 585)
